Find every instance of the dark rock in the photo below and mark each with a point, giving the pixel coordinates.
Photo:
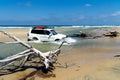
(111, 34)
(81, 34)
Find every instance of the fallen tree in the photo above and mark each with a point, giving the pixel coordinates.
(47, 58)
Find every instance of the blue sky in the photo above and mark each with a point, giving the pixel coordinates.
(60, 12)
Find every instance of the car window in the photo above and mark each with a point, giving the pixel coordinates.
(43, 32)
(38, 31)
(54, 32)
(47, 32)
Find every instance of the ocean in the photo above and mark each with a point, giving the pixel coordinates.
(58, 26)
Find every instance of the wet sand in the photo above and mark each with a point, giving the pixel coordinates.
(85, 63)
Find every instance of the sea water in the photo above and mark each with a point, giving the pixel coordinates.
(58, 26)
(74, 42)
(10, 49)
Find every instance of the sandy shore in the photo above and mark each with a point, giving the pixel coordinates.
(91, 63)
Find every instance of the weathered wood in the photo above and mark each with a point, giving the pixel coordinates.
(47, 58)
(16, 56)
(111, 34)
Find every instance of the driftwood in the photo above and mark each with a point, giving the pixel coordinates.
(47, 58)
(111, 34)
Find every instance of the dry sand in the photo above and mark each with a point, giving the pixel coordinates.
(90, 63)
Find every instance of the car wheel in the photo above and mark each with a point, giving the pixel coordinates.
(57, 40)
(35, 39)
(28, 39)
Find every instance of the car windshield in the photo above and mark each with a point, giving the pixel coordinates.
(54, 32)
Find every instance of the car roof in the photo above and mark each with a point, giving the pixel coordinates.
(42, 29)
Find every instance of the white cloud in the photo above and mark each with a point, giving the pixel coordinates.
(81, 17)
(116, 13)
(88, 5)
(104, 16)
(28, 4)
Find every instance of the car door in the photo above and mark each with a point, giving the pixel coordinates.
(47, 35)
(42, 35)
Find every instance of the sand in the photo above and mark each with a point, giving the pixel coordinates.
(91, 63)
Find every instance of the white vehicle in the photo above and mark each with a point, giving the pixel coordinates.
(42, 34)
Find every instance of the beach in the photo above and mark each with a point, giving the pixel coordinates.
(86, 59)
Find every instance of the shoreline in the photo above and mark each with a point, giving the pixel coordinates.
(83, 62)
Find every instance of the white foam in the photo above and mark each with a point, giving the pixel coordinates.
(35, 41)
(70, 40)
(59, 42)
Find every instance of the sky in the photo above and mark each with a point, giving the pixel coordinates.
(59, 12)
